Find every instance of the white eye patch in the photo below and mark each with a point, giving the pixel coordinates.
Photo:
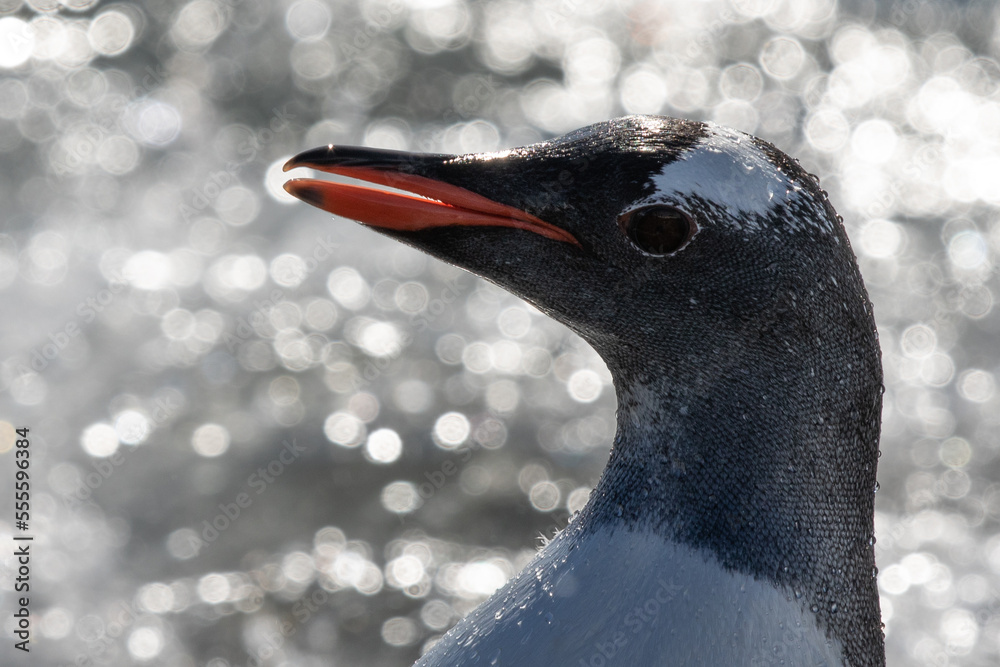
(727, 169)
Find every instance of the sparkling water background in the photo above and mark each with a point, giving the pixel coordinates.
(262, 436)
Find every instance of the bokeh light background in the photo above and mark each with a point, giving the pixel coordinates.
(262, 436)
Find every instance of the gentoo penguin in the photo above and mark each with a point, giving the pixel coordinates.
(733, 522)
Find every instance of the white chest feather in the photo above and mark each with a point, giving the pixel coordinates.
(628, 598)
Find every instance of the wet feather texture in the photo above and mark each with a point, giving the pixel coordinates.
(749, 383)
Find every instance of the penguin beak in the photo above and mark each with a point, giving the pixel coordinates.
(437, 204)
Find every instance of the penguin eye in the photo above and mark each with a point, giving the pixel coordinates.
(658, 230)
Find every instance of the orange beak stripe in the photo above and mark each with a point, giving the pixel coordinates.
(439, 204)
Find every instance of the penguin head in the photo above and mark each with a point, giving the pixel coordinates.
(643, 233)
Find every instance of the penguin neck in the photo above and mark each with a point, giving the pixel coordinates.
(783, 451)
(768, 468)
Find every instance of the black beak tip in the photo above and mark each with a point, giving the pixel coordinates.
(330, 157)
(310, 158)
